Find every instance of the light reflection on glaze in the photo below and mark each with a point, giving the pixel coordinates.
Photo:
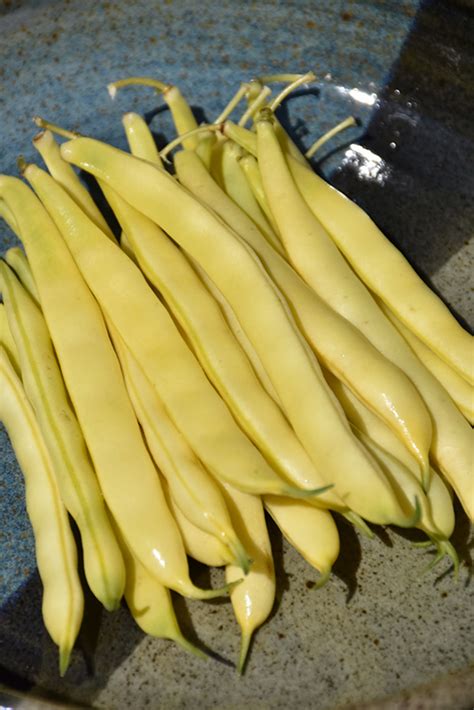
(367, 164)
(158, 558)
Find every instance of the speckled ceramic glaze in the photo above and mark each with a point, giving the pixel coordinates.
(380, 627)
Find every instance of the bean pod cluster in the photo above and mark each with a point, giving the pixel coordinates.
(249, 342)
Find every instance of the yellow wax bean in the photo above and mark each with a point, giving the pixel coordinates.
(250, 167)
(150, 603)
(311, 407)
(342, 348)
(312, 531)
(386, 272)
(201, 546)
(16, 258)
(77, 481)
(440, 500)
(252, 600)
(140, 138)
(6, 214)
(236, 185)
(237, 330)
(7, 341)
(45, 143)
(318, 256)
(180, 110)
(226, 365)
(56, 554)
(193, 489)
(150, 333)
(406, 486)
(94, 381)
(204, 149)
(412, 496)
(460, 391)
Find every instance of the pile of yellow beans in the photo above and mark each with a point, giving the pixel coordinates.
(251, 342)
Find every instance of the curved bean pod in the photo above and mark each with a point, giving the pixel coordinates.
(56, 554)
(312, 531)
(252, 600)
(16, 258)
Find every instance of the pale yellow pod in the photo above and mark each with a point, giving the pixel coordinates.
(250, 167)
(56, 554)
(407, 487)
(200, 545)
(204, 150)
(47, 146)
(7, 341)
(438, 494)
(253, 599)
(312, 531)
(234, 182)
(76, 478)
(150, 603)
(194, 490)
(140, 138)
(459, 389)
(238, 331)
(16, 258)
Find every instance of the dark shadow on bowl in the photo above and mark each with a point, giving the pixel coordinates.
(350, 555)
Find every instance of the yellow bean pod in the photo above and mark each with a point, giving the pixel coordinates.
(252, 600)
(250, 167)
(149, 331)
(384, 269)
(438, 495)
(150, 603)
(312, 531)
(16, 258)
(140, 138)
(76, 478)
(56, 554)
(7, 341)
(235, 183)
(195, 492)
(200, 545)
(181, 112)
(342, 348)
(460, 391)
(94, 381)
(312, 409)
(47, 146)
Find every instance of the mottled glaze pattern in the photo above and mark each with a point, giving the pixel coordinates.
(406, 71)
